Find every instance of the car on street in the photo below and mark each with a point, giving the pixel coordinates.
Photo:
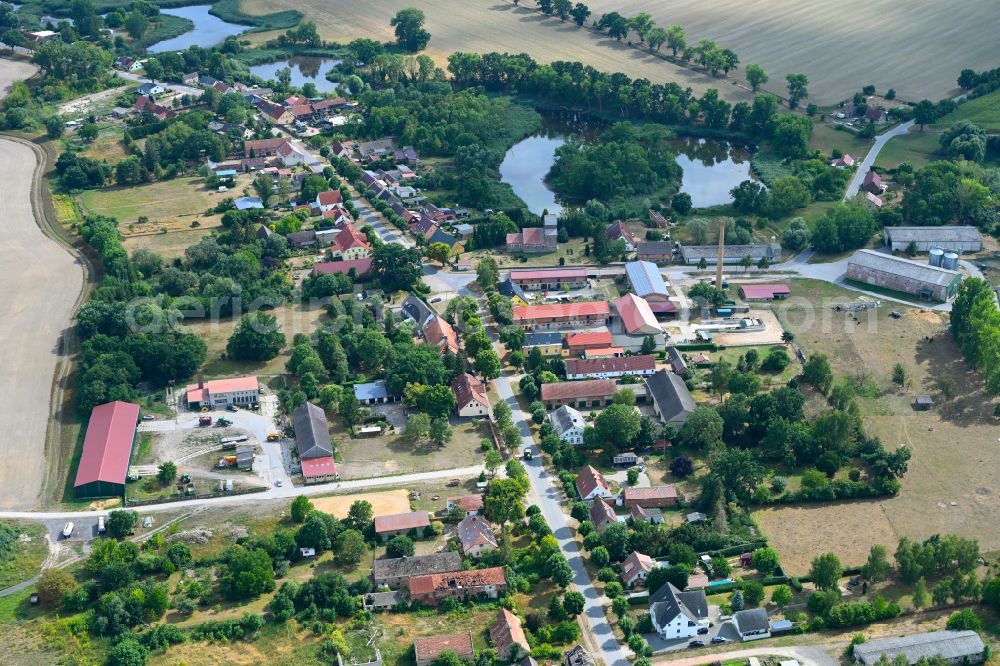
(67, 530)
(454, 482)
(148, 417)
(702, 631)
(279, 483)
(696, 644)
(719, 639)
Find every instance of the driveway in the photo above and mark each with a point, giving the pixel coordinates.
(549, 495)
(805, 654)
(869, 161)
(176, 87)
(450, 284)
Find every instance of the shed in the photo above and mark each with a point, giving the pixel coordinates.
(922, 403)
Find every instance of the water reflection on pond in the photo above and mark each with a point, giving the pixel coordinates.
(208, 30)
(304, 69)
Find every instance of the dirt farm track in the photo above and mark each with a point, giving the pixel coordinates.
(916, 47)
(40, 282)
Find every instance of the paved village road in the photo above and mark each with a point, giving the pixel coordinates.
(549, 495)
(869, 161)
(176, 87)
(40, 282)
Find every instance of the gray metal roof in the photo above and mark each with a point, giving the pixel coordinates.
(645, 279)
(943, 234)
(510, 289)
(670, 394)
(416, 309)
(418, 565)
(951, 645)
(655, 247)
(677, 360)
(915, 270)
(312, 434)
(566, 418)
(540, 339)
(377, 390)
(754, 251)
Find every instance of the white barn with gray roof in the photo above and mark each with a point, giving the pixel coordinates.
(955, 238)
(568, 425)
(955, 647)
(904, 275)
(732, 254)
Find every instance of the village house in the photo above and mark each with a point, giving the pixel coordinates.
(651, 497)
(275, 113)
(513, 291)
(658, 252)
(470, 584)
(374, 149)
(578, 657)
(605, 352)
(561, 315)
(591, 484)
(550, 279)
(394, 572)
(413, 522)
(221, 393)
(350, 244)
(439, 333)
(873, 183)
(470, 396)
(263, 147)
(635, 568)
(604, 368)
(470, 504)
(602, 514)
(582, 394)
(145, 105)
(677, 614)
(289, 156)
(568, 425)
(507, 636)
(428, 648)
(618, 231)
(475, 536)
(843, 162)
(642, 515)
(547, 344)
(439, 236)
(752, 624)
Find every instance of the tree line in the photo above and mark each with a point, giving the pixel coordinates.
(975, 323)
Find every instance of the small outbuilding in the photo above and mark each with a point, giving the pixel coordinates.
(922, 403)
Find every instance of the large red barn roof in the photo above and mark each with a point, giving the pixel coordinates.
(107, 446)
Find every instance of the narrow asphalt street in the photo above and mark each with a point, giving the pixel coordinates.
(869, 161)
(549, 495)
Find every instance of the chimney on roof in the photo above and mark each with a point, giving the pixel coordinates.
(201, 380)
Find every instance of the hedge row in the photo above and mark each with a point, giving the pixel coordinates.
(736, 550)
(698, 346)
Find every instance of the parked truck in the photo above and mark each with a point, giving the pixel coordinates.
(204, 421)
(228, 461)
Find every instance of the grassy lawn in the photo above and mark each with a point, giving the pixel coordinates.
(572, 252)
(917, 148)
(107, 146)
(27, 553)
(825, 139)
(732, 355)
(984, 111)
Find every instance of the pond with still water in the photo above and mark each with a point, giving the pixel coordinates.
(208, 30)
(711, 167)
(304, 69)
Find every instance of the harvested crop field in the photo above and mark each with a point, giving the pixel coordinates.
(383, 504)
(953, 482)
(493, 25)
(841, 46)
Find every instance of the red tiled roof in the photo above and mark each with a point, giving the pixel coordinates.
(222, 386)
(662, 307)
(467, 388)
(591, 366)
(533, 235)
(557, 310)
(361, 266)
(590, 479)
(299, 110)
(437, 329)
(468, 502)
(602, 513)
(636, 562)
(757, 291)
(617, 229)
(429, 648)
(635, 313)
(590, 339)
(552, 273)
(349, 237)
(665, 492)
(507, 632)
(264, 144)
(599, 352)
(589, 388)
(324, 466)
(466, 579)
(107, 446)
(475, 531)
(330, 198)
(401, 521)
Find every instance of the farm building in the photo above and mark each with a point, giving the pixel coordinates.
(651, 497)
(603, 368)
(394, 572)
(360, 267)
(470, 396)
(658, 252)
(956, 239)
(550, 279)
(579, 343)
(732, 254)
(618, 231)
(752, 624)
(910, 277)
(646, 280)
(672, 401)
(578, 657)
(507, 636)
(220, 393)
(560, 315)
(312, 441)
(677, 362)
(461, 585)
(476, 536)
(374, 393)
(429, 648)
(605, 352)
(636, 315)
(873, 183)
(764, 292)
(107, 448)
(395, 524)
(955, 647)
(470, 504)
(588, 393)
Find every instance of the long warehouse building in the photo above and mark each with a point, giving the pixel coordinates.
(910, 277)
(107, 448)
(954, 238)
